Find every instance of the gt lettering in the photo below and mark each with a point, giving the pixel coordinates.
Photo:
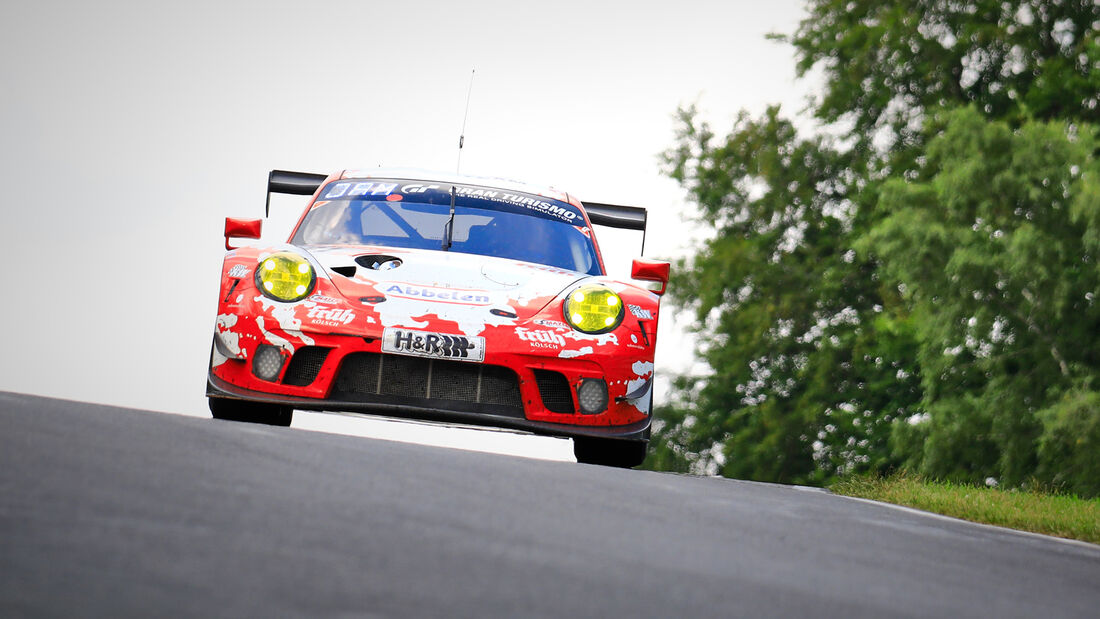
(418, 188)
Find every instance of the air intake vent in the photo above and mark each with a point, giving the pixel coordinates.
(372, 377)
(304, 365)
(378, 262)
(554, 389)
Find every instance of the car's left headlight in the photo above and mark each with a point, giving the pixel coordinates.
(285, 276)
(593, 308)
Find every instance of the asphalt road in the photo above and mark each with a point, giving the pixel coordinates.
(107, 512)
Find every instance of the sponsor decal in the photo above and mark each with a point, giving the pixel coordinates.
(434, 345)
(358, 189)
(443, 295)
(541, 206)
(553, 324)
(639, 313)
(415, 188)
(544, 268)
(334, 317)
(238, 271)
(557, 211)
(320, 298)
(540, 338)
(552, 207)
(477, 193)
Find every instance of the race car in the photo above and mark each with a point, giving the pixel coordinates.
(445, 298)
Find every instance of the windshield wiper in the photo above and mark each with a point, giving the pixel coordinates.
(448, 230)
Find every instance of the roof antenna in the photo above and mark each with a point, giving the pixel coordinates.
(462, 135)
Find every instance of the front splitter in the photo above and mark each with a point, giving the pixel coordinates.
(638, 431)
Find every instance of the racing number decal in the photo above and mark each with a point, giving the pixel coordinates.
(434, 345)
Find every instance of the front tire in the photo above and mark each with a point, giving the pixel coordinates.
(251, 412)
(609, 451)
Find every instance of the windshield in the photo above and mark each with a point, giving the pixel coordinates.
(521, 227)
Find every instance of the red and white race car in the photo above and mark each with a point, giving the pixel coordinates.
(447, 298)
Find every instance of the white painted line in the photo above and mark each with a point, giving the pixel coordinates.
(921, 512)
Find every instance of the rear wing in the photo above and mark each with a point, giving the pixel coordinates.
(615, 216)
(297, 183)
(305, 183)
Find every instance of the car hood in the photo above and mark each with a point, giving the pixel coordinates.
(425, 281)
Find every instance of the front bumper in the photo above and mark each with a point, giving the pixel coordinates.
(525, 390)
(443, 411)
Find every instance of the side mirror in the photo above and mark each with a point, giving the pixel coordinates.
(241, 228)
(651, 271)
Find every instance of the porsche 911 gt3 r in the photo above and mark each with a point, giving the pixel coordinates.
(444, 298)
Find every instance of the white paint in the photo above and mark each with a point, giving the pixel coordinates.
(602, 339)
(465, 274)
(230, 339)
(572, 354)
(959, 521)
(273, 339)
(286, 315)
(644, 371)
(642, 403)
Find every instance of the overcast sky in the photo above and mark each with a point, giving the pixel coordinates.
(132, 129)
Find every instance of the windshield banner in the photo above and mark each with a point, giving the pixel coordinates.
(465, 195)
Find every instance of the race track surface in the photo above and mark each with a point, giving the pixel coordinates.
(106, 511)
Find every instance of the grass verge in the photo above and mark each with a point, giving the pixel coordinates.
(1038, 512)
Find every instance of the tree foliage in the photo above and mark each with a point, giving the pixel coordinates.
(886, 63)
(989, 250)
(916, 289)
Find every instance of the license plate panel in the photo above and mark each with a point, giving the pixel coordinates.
(433, 345)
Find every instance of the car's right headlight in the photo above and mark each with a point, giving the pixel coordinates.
(593, 308)
(285, 276)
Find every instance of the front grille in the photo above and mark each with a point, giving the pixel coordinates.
(554, 389)
(304, 365)
(363, 377)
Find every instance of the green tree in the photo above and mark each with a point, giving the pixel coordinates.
(986, 248)
(1069, 449)
(824, 360)
(801, 374)
(885, 64)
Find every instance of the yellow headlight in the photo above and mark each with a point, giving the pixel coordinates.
(593, 309)
(285, 276)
